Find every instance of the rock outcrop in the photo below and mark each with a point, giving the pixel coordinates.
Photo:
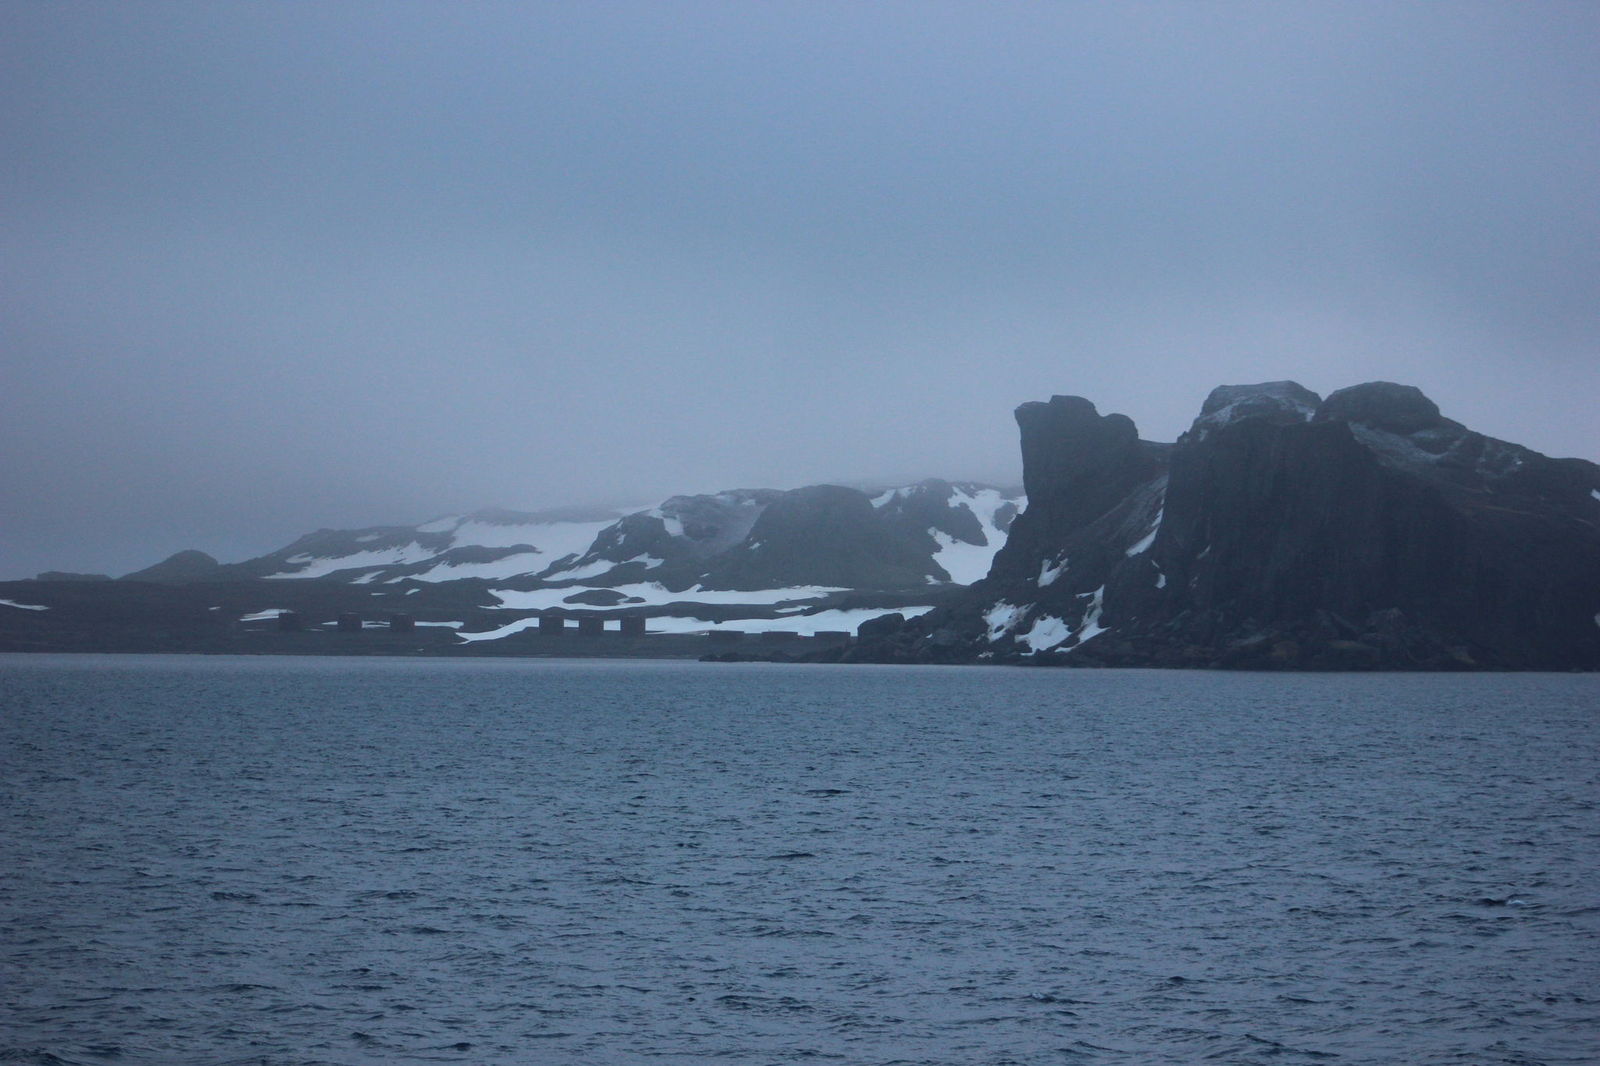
(1282, 531)
(179, 569)
(825, 535)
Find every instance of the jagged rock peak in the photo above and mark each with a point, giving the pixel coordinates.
(1382, 405)
(1061, 406)
(1067, 436)
(1282, 402)
(1360, 531)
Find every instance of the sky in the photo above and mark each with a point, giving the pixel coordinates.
(266, 268)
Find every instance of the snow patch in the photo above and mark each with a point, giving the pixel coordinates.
(266, 615)
(968, 563)
(1091, 618)
(1149, 538)
(602, 566)
(400, 555)
(836, 620)
(509, 629)
(24, 606)
(1047, 632)
(1048, 572)
(1002, 618)
(965, 563)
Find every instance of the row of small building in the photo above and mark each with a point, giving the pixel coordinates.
(552, 623)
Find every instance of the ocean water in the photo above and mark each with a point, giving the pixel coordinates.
(286, 861)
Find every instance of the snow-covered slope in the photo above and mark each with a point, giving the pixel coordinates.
(494, 545)
(933, 532)
(819, 557)
(966, 521)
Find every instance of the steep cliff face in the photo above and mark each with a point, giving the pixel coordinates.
(1282, 530)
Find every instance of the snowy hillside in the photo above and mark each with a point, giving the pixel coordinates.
(951, 530)
(823, 557)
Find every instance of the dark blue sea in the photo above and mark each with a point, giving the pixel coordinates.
(292, 861)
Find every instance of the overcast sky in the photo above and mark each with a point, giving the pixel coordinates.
(269, 267)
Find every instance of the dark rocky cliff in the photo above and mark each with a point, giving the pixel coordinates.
(824, 535)
(1282, 531)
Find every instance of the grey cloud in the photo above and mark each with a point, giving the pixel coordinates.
(268, 267)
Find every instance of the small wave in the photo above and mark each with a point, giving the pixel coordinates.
(764, 1004)
(36, 1057)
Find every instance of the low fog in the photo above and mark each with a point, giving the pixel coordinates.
(271, 267)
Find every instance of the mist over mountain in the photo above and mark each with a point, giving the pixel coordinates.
(271, 267)
(1282, 530)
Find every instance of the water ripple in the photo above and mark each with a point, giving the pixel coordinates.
(276, 862)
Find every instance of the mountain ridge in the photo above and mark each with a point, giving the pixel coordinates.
(1282, 530)
(710, 539)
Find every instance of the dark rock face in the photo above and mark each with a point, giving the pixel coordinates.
(821, 535)
(1283, 531)
(337, 544)
(1080, 470)
(885, 625)
(631, 537)
(673, 542)
(1279, 402)
(927, 506)
(1077, 463)
(922, 513)
(179, 569)
(1381, 405)
(711, 524)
